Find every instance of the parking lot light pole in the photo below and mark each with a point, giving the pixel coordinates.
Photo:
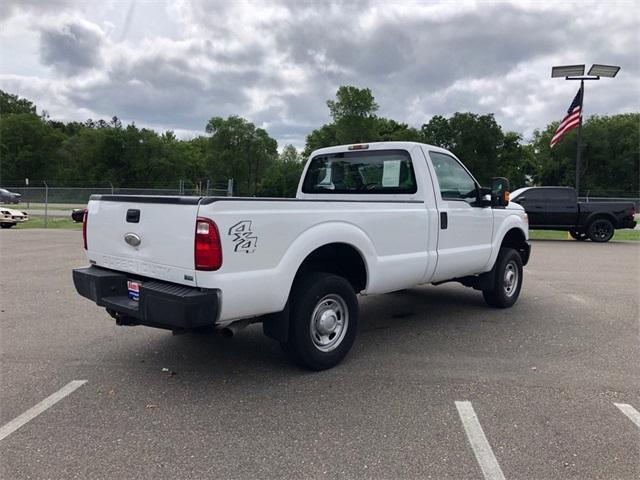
(576, 72)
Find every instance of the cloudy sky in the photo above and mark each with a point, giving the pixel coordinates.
(174, 64)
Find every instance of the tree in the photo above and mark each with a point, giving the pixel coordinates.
(353, 113)
(13, 104)
(474, 139)
(282, 177)
(390, 130)
(28, 148)
(610, 156)
(96, 152)
(516, 161)
(438, 132)
(352, 102)
(354, 120)
(240, 151)
(325, 136)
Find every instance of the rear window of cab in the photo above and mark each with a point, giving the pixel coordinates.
(368, 172)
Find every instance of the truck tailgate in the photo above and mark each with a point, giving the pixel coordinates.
(147, 236)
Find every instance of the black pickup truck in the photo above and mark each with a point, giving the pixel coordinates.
(558, 208)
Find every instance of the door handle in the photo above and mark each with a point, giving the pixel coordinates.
(444, 220)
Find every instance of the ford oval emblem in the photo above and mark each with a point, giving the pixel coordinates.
(132, 239)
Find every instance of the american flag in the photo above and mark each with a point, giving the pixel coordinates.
(572, 120)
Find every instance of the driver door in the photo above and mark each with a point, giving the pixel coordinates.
(466, 229)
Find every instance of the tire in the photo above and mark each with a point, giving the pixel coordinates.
(6, 225)
(204, 330)
(578, 235)
(323, 321)
(508, 280)
(600, 230)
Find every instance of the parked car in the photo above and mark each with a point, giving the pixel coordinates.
(77, 214)
(558, 208)
(9, 197)
(10, 217)
(366, 219)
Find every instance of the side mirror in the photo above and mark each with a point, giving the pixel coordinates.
(485, 198)
(500, 192)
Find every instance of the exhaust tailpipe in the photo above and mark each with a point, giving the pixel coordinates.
(230, 330)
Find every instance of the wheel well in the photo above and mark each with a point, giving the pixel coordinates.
(598, 216)
(515, 239)
(340, 259)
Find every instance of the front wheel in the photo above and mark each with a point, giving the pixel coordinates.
(578, 235)
(6, 225)
(323, 322)
(601, 230)
(508, 280)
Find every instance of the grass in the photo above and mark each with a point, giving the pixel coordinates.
(52, 222)
(559, 235)
(41, 206)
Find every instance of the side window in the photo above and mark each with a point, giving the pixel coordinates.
(455, 182)
(537, 195)
(559, 194)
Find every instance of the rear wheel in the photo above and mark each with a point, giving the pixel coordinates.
(323, 322)
(601, 230)
(508, 280)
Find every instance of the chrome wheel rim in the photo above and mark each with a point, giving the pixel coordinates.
(329, 322)
(510, 278)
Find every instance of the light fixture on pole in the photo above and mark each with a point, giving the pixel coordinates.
(576, 72)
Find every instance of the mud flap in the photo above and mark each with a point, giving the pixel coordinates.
(276, 325)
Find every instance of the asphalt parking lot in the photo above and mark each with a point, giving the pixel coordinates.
(542, 381)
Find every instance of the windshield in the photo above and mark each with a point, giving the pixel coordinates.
(517, 192)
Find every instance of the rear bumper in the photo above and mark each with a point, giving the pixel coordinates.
(628, 224)
(161, 304)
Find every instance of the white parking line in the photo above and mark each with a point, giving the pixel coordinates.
(37, 409)
(576, 298)
(481, 448)
(630, 412)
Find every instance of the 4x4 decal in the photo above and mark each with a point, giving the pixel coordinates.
(244, 239)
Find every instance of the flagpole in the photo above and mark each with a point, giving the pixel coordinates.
(579, 141)
(576, 72)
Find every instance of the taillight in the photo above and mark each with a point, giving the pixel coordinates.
(207, 250)
(85, 218)
(632, 213)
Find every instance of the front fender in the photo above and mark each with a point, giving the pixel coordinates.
(509, 223)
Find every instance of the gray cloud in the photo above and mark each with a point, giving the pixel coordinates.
(277, 63)
(71, 47)
(9, 8)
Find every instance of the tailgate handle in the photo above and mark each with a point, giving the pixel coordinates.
(133, 215)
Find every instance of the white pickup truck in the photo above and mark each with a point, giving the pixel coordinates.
(367, 219)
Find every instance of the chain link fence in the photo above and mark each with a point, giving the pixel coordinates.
(51, 193)
(45, 199)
